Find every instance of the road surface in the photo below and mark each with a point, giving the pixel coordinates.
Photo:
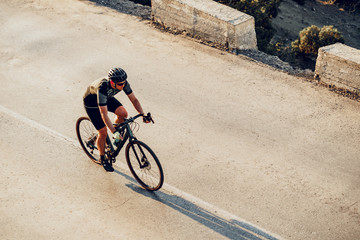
(248, 152)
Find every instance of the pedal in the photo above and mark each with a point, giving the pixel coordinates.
(110, 157)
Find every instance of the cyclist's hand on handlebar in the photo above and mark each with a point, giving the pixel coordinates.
(117, 135)
(147, 118)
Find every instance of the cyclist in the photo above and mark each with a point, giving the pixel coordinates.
(99, 99)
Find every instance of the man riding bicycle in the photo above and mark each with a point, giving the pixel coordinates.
(99, 99)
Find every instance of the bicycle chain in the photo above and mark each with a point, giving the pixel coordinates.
(109, 156)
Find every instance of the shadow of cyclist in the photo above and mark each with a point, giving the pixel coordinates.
(232, 229)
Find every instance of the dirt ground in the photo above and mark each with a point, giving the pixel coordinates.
(292, 18)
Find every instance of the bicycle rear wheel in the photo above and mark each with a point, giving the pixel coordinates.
(87, 135)
(144, 165)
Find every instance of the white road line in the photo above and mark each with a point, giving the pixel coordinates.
(251, 229)
(38, 126)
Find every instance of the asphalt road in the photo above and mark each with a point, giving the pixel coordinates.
(248, 152)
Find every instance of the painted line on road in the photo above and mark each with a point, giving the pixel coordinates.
(246, 226)
(38, 126)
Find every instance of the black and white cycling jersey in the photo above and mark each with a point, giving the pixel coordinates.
(100, 91)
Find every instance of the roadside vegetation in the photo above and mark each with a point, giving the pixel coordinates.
(312, 38)
(303, 51)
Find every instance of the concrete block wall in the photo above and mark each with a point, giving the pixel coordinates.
(207, 19)
(339, 65)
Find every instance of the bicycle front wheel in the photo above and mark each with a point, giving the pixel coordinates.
(87, 135)
(144, 165)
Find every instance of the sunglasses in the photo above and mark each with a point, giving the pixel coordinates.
(119, 83)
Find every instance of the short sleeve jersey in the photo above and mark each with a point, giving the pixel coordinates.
(98, 93)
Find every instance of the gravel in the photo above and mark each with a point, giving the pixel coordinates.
(126, 6)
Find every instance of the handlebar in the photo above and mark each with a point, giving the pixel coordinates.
(131, 119)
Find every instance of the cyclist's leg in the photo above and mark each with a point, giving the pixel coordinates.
(120, 113)
(99, 124)
(116, 107)
(95, 117)
(101, 140)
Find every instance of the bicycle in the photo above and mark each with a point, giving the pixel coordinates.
(141, 160)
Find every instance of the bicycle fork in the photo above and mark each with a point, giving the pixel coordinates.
(143, 162)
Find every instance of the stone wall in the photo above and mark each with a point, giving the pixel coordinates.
(339, 65)
(208, 20)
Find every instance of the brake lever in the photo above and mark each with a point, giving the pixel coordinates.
(150, 118)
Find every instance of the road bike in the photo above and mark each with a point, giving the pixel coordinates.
(141, 160)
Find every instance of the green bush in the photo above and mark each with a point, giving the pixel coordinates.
(312, 38)
(308, 42)
(329, 35)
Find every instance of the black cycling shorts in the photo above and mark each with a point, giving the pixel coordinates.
(94, 112)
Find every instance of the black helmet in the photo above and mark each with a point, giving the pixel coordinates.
(117, 75)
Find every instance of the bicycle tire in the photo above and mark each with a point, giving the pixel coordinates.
(149, 173)
(87, 134)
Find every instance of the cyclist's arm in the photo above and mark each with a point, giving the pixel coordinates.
(136, 103)
(105, 118)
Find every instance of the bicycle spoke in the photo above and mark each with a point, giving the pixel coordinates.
(150, 176)
(87, 133)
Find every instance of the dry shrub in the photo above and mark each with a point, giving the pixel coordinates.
(312, 38)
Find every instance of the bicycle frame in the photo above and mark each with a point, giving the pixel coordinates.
(128, 135)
